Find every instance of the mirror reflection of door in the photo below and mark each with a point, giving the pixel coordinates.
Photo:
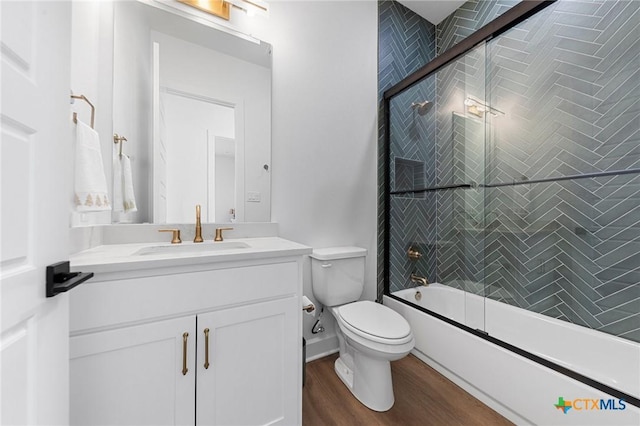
(153, 43)
(224, 165)
(200, 154)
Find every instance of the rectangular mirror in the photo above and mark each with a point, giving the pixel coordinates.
(194, 104)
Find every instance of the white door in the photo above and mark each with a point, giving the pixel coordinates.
(138, 375)
(252, 373)
(212, 185)
(35, 187)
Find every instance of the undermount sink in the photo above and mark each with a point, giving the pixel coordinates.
(189, 248)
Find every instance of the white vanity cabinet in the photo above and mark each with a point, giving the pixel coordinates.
(233, 329)
(249, 378)
(133, 375)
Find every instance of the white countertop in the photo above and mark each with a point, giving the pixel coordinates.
(126, 257)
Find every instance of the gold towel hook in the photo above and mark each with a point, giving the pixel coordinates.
(119, 139)
(93, 109)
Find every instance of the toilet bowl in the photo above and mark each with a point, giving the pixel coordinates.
(366, 349)
(370, 334)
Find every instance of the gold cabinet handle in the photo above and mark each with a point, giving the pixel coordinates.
(206, 348)
(176, 235)
(185, 336)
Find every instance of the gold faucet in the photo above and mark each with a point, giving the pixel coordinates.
(419, 280)
(198, 238)
(219, 233)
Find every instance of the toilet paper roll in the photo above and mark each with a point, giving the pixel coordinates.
(308, 307)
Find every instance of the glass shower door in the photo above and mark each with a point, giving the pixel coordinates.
(563, 168)
(437, 132)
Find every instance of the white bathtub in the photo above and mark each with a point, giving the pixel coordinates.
(520, 389)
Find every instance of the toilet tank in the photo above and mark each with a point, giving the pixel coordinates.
(337, 274)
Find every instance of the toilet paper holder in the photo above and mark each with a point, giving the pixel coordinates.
(307, 305)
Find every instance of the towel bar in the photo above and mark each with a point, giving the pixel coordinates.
(119, 139)
(93, 109)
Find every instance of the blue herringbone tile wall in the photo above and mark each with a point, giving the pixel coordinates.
(568, 83)
(468, 18)
(406, 42)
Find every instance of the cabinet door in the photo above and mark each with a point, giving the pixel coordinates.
(134, 375)
(253, 375)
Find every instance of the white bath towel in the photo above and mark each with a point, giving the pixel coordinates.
(90, 182)
(123, 194)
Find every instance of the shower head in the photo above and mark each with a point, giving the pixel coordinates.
(422, 107)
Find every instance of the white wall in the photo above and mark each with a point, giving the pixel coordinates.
(324, 139)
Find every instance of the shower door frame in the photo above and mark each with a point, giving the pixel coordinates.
(501, 24)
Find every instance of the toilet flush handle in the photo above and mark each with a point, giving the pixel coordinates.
(327, 265)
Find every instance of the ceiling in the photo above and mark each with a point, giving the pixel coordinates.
(433, 11)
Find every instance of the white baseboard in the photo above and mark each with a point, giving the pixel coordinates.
(319, 347)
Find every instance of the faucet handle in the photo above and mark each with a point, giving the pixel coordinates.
(413, 253)
(176, 235)
(219, 233)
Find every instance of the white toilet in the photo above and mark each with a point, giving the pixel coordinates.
(370, 334)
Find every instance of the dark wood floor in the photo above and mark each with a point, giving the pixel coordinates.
(423, 397)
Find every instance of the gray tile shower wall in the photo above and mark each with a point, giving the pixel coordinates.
(410, 135)
(468, 18)
(575, 256)
(410, 225)
(406, 43)
(568, 80)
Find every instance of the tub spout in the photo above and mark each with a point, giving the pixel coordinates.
(419, 280)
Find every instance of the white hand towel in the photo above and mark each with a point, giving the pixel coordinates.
(123, 194)
(90, 182)
(118, 203)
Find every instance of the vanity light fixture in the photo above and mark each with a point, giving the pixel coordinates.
(219, 8)
(251, 7)
(187, 10)
(222, 8)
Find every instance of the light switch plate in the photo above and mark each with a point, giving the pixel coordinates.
(253, 197)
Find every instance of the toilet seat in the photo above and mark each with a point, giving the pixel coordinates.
(374, 322)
